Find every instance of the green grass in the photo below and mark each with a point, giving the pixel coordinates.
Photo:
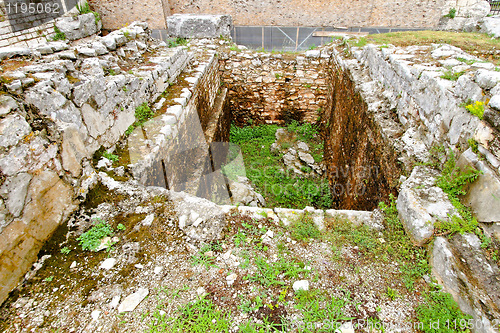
(85, 9)
(440, 307)
(199, 316)
(304, 228)
(91, 239)
(59, 34)
(201, 259)
(177, 42)
(469, 42)
(273, 274)
(449, 75)
(265, 169)
(110, 156)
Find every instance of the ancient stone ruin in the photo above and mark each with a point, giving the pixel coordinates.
(133, 136)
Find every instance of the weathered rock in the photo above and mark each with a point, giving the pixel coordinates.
(301, 285)
(199, 26)
(12, 129)
(78, 27)
(7, 104)
(467, 89)
(495, 102)
(464, 272)
(73, 151)
(10, 51)
(487, 79)
(306, 157)
(242, 192)
(108, 263)
(420, 204)
(92, 67)
(15, 189)
(132, 301)
(491, 26)
(484, 193)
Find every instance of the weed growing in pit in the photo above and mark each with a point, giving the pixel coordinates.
(440, 307)
(198, 316)
(91, 239)
(304, 228)
(65, 250)
(477, 109)
(451, 13)
(59, 34)
(265, 169)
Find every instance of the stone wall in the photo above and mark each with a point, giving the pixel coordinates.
(18, 27)
(56, 113)
(275, 88)
(394, 13)
(118, 13)
(362, 166)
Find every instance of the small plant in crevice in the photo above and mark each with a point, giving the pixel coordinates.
(65, 250)
(474, 145)
(84, 8)
(177, 42)
(59, 34)
(91, 239)
(476, 108)
(452, 76)
(142, 114)
(451, 13)
(453, 181)
(110, 156)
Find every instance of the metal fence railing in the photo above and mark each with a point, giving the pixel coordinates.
(495, 7)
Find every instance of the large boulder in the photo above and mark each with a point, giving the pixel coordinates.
(491, 26)
(420, 204)
(78, 27)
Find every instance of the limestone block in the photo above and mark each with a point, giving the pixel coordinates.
(487, 79)
(420, 204)
(467, 89)
(491, 26)
(483, 195)
(78, 27)
(12, 129)
(7, 104)
(15, 190)
(199, 26)
(11, 51)
(73, 150)
(49, 201)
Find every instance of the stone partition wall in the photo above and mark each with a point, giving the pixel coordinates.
(362, 165)
(275, 88)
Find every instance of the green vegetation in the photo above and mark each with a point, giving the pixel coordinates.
(359, 42)
(318, 308)
(59, 34)
(449, 75)
(65, 250)
(304, 228)
(198, 316)
(265, 169)
(91, 239)
(469, 42)
(201, 258)
(452, 181)
(85, 9)
(451, 13)
(142, 114)
(440, 307)
(272, 274)
(177, 42)
(468, 62)
(110, 156)
(477, 109)
(473, 144)
(234, 48)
